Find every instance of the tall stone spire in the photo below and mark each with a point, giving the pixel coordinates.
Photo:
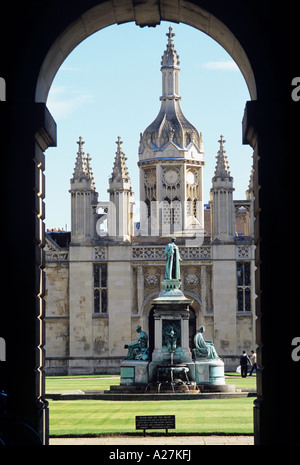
(170, 124)
(171, 160)
(83, 198)
(170, 69)
(222, 167)
(120, 171)
(81, 169)
(222, 208)
(121, 197)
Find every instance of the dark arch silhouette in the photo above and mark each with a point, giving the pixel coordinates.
(39, 40)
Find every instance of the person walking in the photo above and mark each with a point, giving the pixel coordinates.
(244, 360)
(253, 361)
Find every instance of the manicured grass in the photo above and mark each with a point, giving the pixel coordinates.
(64, 383)
(241, 383)
(94, 417)
(69, 383)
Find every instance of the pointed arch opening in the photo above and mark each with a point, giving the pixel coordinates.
(104, 15)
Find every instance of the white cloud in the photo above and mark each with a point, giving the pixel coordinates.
(225, 65)
(64, 100)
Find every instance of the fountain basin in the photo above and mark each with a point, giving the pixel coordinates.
(168, 371)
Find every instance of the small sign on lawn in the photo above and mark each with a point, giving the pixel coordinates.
(155, 422)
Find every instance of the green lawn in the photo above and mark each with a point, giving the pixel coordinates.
(73, 383)
(94, 417)
(239, 382)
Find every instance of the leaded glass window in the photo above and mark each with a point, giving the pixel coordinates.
(100, 288)
(244, 287)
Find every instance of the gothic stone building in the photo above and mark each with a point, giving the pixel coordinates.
(100, 283)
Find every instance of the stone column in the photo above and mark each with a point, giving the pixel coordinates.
(157, 336)
(29, 130)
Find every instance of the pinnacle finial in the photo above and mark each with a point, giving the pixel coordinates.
(222, 141)
(170, 35)
(170, 57)
(120, 170)
(222, 168)
(119, 143)
(80, 170)
(80, 142)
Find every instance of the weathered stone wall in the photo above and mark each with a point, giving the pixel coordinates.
(57, 309)
(82, 341)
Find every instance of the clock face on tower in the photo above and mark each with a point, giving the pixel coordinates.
(171, 176)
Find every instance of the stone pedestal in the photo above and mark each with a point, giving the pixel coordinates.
(171, 329)
(172, 364)
(134, 372)
(209, 372)
(167, 318)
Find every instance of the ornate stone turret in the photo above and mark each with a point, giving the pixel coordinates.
(222, 208)
(121, 196)
(83, 197)
(222, 168)
(120, 176)
(80, 170)
(171, 160)
(170, 124)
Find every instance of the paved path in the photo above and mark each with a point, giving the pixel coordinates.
(158, 440)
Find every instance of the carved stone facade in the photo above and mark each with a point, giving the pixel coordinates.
(80, 340)
(100, 282)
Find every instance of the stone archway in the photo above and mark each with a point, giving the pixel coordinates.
(42, 38)
(192, 329)
(112, 12)
(147, 316)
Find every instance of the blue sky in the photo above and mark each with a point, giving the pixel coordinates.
(110, 85)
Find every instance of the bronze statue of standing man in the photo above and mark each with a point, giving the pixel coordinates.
(173, 261)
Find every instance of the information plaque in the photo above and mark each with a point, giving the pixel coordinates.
(155, 422)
